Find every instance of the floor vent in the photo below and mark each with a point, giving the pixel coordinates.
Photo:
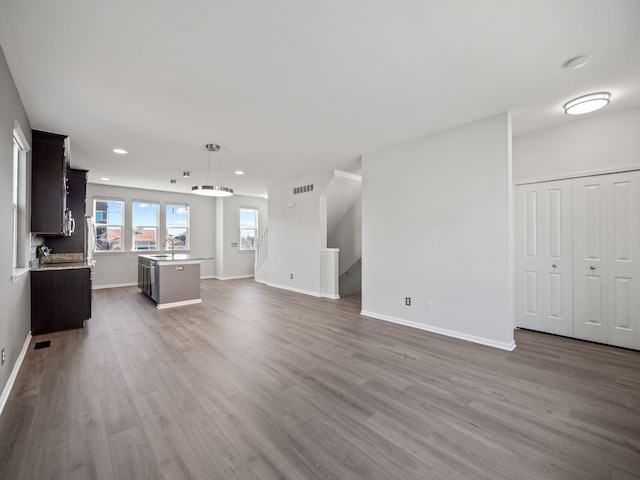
(304, 189)
(45, 344)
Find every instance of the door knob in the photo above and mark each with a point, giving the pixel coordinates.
(592, 267)
(555, 265)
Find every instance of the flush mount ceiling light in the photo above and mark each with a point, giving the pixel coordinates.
(119, 151)
(587, 103)
(212, 190)
(239, 172)
(577, 62)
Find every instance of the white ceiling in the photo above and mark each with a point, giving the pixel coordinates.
(289, 87)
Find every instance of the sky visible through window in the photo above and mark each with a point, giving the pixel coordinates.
(178, 225)
(145, 214)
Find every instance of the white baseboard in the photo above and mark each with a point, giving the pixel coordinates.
(442, 331)
(292, 289)
(182, 303)
(6, 391)
(332, 297)
(260, 280)
(115, 285)
(231, 278)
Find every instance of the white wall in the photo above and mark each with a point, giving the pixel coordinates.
(235, 262)
(121, 268)
(219, 238)
(15, 303)
(589, 145)
(436, 226)
(297, 235)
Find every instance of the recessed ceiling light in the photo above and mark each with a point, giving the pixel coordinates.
(239, 172)
(120, 151)
(577, 62)
(105, 179)
(587, 103)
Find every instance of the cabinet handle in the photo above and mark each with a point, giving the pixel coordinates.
(592, 267)
(555, 265)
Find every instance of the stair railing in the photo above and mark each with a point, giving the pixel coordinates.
(352, 268)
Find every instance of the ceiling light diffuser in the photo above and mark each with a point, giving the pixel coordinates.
(119, 151)
(587, 103)
(239, 172)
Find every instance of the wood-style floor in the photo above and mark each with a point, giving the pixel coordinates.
(261, 383)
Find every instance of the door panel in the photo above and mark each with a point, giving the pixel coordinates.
(623, 226)
(607, 268)
(555, 296)
(589, 293)
(544, 257)
(531, 293)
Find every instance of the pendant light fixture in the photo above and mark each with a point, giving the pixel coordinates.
(212, 190)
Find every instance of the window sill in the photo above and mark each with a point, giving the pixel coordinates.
(18, 273)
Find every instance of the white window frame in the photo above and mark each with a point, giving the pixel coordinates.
(241, 245)
(14, 200)
(145, 226)
(107, 225)
(169, 245)
(18, 199)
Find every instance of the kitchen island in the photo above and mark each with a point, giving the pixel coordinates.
(170, 280)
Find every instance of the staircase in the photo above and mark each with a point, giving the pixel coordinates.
(262, 253)
(351, 279)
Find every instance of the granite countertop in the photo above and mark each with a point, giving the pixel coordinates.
(61, 261)
(60, 266)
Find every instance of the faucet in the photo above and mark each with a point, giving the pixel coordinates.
(173, 244)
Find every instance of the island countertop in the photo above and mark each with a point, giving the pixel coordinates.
(166, 258)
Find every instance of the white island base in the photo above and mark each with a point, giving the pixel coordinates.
(160, 306)
(178, 284)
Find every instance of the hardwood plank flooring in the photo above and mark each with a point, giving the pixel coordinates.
(260, 383)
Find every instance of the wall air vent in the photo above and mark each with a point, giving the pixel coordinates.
(305, 189)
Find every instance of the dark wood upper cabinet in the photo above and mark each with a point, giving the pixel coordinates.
(49, 183)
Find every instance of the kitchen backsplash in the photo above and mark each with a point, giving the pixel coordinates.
(36, 241)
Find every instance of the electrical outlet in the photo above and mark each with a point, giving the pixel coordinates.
(407, 301)
(2, 357)
(291, 276)
(429, 305)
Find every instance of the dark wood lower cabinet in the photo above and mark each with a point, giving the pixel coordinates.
(60, 299)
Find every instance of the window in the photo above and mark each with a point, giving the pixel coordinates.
(145, 220)
(18, 199)
(109, 219)
(178, 226)
(14, 200)
(248, 228)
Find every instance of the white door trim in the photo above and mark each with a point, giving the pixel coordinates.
(591, 173)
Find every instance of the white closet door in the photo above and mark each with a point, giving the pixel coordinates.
(544, 256)
(607, 259)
